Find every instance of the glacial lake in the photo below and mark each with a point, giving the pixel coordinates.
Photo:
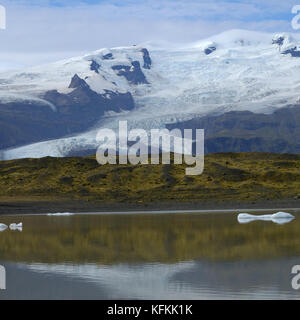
(149, 256)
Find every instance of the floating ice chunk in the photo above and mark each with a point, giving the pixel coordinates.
(15, 226)
(279, 217)
(282, 215)
(60, 214)
(3, 227)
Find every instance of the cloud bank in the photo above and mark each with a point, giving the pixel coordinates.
(39, 31)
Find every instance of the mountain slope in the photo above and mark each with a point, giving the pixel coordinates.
(245, 131)
(149, 86)
(27, 122)
(227, 177)
(53, 101)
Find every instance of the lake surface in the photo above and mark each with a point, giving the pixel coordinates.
(149, 256)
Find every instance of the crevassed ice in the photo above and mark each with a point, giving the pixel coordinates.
(246, 72)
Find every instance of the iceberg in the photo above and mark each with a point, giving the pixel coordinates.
(3, 227)
(279, 217)
(15, 226)
(60, 214)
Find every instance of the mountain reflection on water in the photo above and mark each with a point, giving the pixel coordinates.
(149, 256)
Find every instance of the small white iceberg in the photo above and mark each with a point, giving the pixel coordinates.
(279, 217)
(16, 226)
(3, 227)
(60, 214)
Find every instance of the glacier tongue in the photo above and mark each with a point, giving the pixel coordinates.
(246, 71)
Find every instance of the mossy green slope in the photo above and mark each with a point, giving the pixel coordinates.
(226, 177)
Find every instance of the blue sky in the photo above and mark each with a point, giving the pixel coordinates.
(39, 31)
(248, 9)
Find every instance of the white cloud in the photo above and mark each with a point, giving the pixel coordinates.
(39, 33)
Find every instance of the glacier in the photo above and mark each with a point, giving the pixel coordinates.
(247, 71)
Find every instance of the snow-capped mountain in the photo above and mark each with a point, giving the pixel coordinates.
(150, 86)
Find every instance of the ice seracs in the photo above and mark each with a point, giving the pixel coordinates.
(279, 217)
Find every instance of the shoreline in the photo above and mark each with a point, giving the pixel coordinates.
(89, 207)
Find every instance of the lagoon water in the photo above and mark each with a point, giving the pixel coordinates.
(149, 256)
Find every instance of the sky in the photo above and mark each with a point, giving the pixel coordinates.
(41, 31)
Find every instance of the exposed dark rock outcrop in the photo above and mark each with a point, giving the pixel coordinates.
(84, 98)
(294, 52)
(209, 50)
(147, 59)
(23, 123)
(278, 41)
(285, 44)
(133, 73)
(77, 82)
(95, 66)
(108, 56)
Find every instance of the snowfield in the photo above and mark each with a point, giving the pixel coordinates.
(236, 70)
